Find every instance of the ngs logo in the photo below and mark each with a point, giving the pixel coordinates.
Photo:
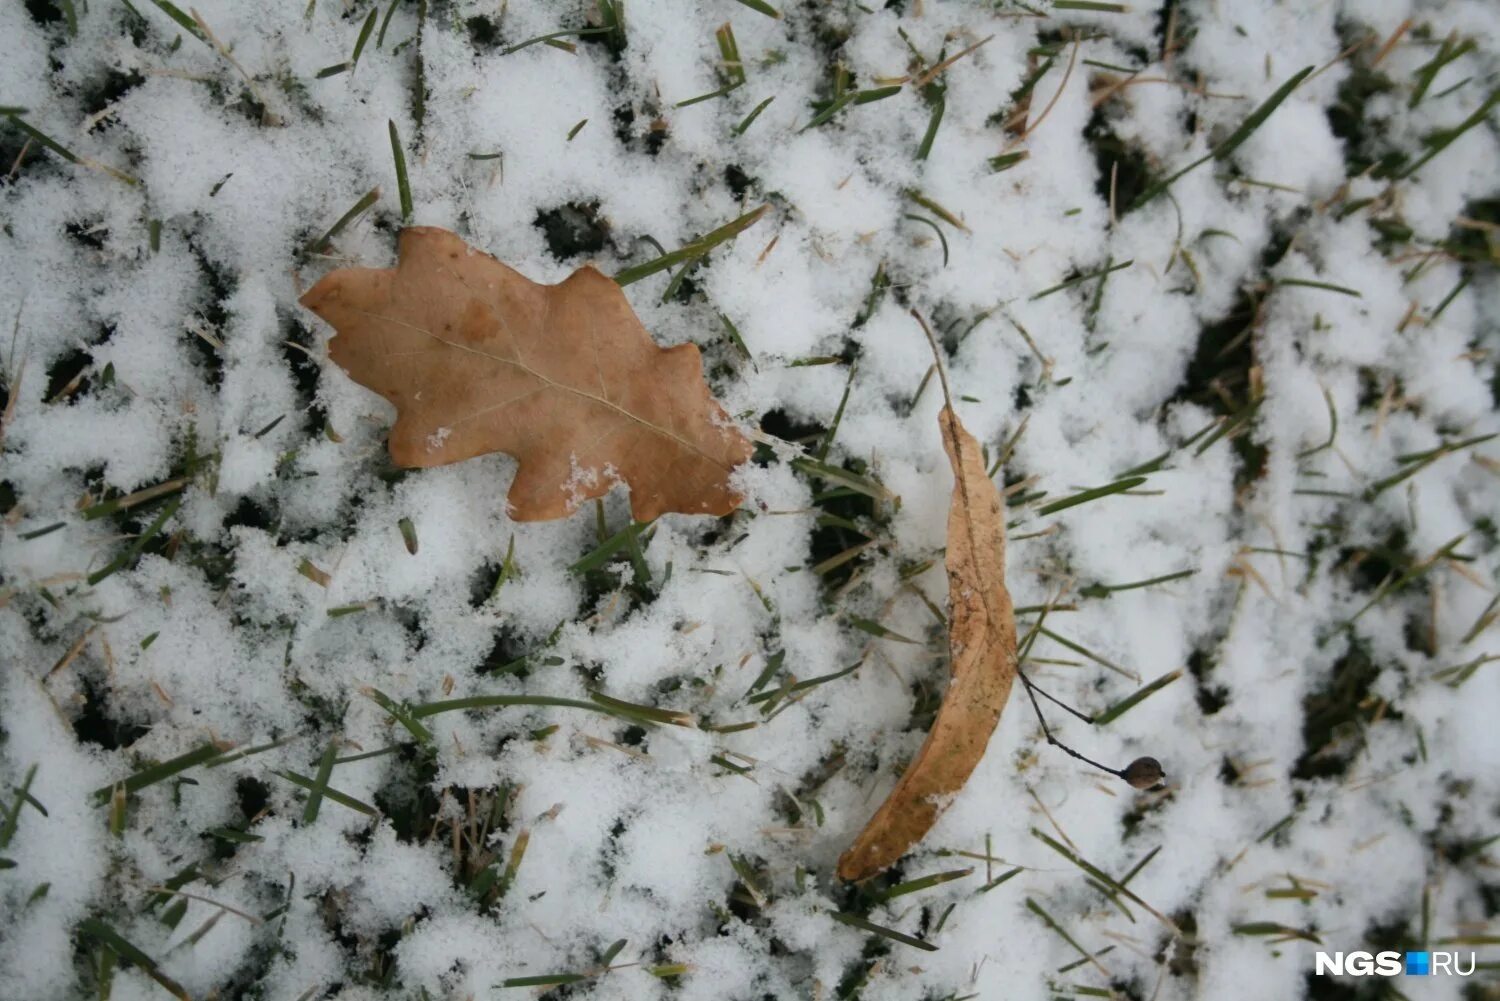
(1392, 964)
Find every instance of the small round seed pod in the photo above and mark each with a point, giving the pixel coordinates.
(1144, 773)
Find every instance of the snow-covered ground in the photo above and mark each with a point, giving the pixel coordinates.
(1294, 343)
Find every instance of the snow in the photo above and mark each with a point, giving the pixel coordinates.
(281, 595)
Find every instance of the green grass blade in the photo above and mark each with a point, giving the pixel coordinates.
(320, 784)
(692, 250)
(403, 187)
(760, 6)
(364, 36)
(106, 936)
(356, 210)
(749, 119)
(864, 924)
(502, 701)
(1120, 708)
(1119, 486)
(1255, 120)
(159, 772)
(175, 13)
(330, 793)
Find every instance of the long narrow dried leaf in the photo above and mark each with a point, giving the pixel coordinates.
(477, 358)
(982, 648)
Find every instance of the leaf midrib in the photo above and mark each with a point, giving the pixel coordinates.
(550, 383)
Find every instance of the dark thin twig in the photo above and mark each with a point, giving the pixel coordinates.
(1031, 691)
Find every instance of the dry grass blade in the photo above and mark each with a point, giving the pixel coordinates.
(982, 650)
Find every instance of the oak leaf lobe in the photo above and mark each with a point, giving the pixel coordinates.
(477, 358)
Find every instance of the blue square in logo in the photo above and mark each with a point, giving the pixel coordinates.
(1418, 964)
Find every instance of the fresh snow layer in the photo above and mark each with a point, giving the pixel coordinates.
(285, 592)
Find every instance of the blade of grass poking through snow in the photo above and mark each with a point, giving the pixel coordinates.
(1119, 486)
(739, 342)
(116, 943)
(843, 478)
(70, 16)
(866, 925)
(364, 36)
(1098, 590)
(1333, 428)
(47, 141)
(693, 250)
(545, 980)
(1005, 161)
(921, 883)
(1229, 145)
(853, 97)
(936, 209)
(773, 664)
(1415, 462)
(1414, 572)
(504, 701)
(838, 416)
(129, 555)
(385, 23)
(403, 187)
(508, 568)
(249, 752)
(934, 119)
(1326, 286)
(1091, 655)
(774, 695)
(159, 772)
(943, 240)
(579, 32)
(729, 52)
(329, 793)
(728, 88)
(1448, 51)
(762, 7)
(1453, 677)
(643, 714)
(602, 554)
(1439, 141)
(749, 119)
(1101, 273)
(13, 816)
(355, 211)
(1103, 877)
(1062, 933)
(1282, 933)
(1120, 708)
(400, 713)
(612, 16)
(117, 504)
(176, 14)
(877, 630)
(1004, 877)
(1136, 869)
(320, 784)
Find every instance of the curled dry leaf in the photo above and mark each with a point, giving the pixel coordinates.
(982, 650)
(478, 358)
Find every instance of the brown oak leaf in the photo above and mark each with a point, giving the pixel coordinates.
(478, 358)
(982, 654)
